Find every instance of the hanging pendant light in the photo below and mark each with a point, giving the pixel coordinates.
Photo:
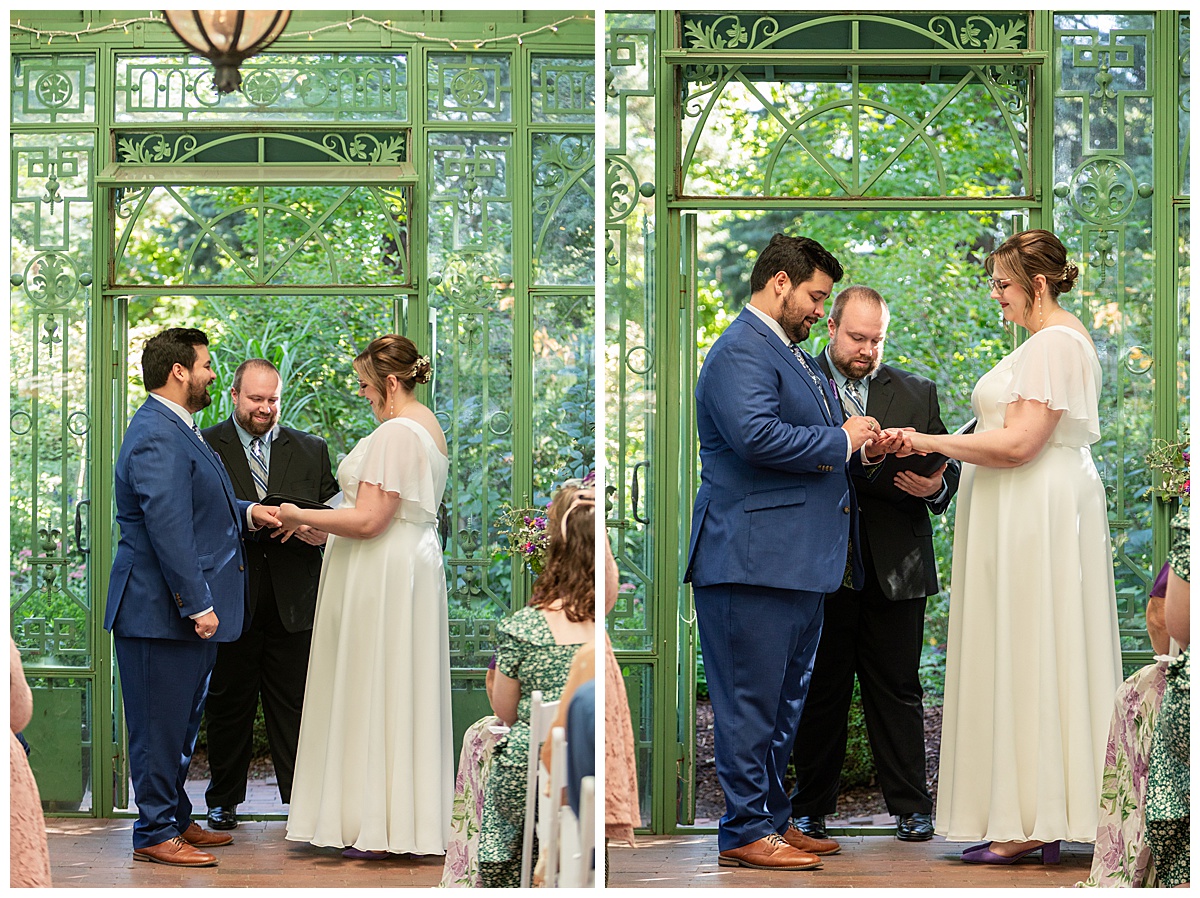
(227, 36)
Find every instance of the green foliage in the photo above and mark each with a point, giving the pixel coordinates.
(858, 768)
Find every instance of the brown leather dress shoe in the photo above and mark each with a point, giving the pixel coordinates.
(802, 842)
(769, 853)
(175, 853)
(202, 838)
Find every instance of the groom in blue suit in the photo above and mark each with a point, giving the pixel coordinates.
(177, 588)
(770, 532)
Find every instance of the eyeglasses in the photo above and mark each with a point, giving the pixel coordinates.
(999, 284)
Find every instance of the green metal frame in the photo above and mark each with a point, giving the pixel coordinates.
(533, 126)
(674, 255)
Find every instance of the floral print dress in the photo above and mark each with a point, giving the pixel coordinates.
(526, 652)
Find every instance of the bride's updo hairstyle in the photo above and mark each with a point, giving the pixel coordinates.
(569, 574)
(1031, 253)
(392, 354)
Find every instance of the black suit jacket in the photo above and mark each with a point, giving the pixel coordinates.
(299, 467)
(897, 525)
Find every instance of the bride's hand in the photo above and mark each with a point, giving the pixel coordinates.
(289, 519)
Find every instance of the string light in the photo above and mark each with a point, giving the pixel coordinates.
(453, 43)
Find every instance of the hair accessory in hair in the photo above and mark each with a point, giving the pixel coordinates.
(583, 497)
(1070, 270)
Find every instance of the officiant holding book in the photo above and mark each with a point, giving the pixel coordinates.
(271, 657)
(876, 632)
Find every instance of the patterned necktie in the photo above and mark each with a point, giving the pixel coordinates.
(199, 435)
(258, 467)
(854, 394)
(816, 378)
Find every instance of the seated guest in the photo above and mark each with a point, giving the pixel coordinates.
(29, 856)
(534, 650)
(1168, 807)
(461, 869)
(1122, 856)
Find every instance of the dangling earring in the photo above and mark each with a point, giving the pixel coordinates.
(1041, 323)
(392, 408)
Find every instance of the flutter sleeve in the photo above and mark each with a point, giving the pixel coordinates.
(396, 459)
(510, 648)
(1056, 367)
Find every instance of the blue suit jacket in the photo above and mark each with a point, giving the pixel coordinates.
(181, 534)
(775, 505)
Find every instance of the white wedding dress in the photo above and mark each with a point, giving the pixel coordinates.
(374, 767)
(1033, 657)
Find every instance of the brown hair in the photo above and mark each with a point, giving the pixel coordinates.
(395, 355)
(569, 575)
(1030, 253)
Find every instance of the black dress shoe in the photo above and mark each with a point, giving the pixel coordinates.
(811, 826)
(914, 827)
(223, 818)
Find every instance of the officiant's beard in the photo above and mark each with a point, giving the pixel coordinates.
(852, 364)
(253, 426)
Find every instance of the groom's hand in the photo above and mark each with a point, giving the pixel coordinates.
(861, 428)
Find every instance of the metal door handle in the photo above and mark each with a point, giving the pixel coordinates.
(84, 550)
(635, 492)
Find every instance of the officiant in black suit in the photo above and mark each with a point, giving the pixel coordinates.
(876, 632)
(271, 657)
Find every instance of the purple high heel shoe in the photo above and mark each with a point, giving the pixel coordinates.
(982, 854)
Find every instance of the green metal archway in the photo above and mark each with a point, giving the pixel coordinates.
(867, 128)
(422, 172)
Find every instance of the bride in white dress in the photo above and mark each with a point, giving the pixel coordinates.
(374, 767)
(1033, 656)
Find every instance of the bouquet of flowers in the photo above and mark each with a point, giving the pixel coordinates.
(1173, 462)
(525, 529)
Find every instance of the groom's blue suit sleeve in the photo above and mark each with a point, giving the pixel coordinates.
(743, 397)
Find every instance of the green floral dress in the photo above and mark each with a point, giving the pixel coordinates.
(1168, 808)
(526, 652)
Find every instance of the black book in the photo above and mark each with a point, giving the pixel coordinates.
(277, 499)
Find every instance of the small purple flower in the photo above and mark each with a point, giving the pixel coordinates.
(539, 523)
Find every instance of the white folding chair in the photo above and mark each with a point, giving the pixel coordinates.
(550, 805)
(586, 872)
(541, 714)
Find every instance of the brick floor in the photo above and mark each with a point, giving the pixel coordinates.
(88, 853)
(871, 861)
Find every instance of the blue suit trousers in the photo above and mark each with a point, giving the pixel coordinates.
(758, 645)
(163, 683)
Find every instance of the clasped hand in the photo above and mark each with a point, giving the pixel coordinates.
(865, 431)
(288, 523)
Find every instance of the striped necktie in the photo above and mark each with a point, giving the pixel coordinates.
(854, 394)
(258, 467)
(818, 382)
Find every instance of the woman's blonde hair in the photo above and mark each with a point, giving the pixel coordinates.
(392, 354)
(569, 574)
(1030, 253)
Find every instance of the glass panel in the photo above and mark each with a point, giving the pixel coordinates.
(564, 392)
(50, 417)
(639, 686)
(747, 133)
(470, 87)
(1185, 105)
(564, 89)
(1103, 181)
(470, 202)
(53, 89)
(276, 87)
(473, 333)
(169, 236)
(630, 363)
(564, 209)
(60, 741)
